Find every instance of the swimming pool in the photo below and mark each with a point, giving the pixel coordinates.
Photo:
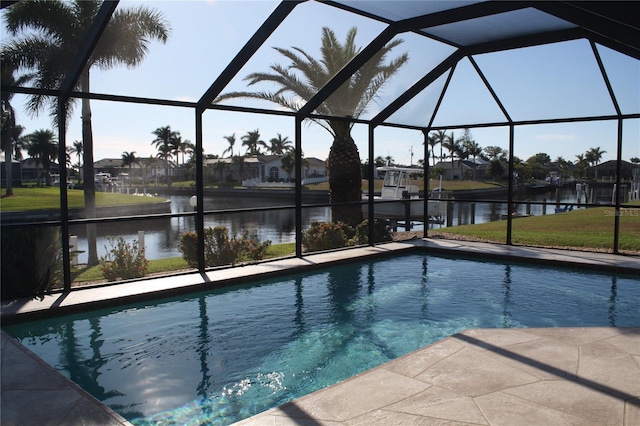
(220, 356)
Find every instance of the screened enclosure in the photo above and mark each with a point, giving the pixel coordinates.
(236, 80)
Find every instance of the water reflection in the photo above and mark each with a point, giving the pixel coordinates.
(162, 236)
(228, 353)
(612, 301)
(506, 301)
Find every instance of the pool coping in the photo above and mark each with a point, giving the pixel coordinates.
(19, 394)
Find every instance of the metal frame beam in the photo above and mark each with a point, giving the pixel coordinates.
(255, 42)
(602, 22)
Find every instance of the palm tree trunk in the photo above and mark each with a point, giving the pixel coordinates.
(345, 180)
(88, 171)
(8, 163)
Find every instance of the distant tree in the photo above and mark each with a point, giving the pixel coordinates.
(538, 165)
(76, 148)
(495, 152)
(475, 151)
(450, 145)
(184, 147)
(129, 159)
(520, 168)
(593, 157)
(581, 164)
(238, 161)
(166, 140)
(441, 138)
(67, 157)
(220, 166)
(495, 169)
(634, 160)
(469, 148)
(279, 145)
(42, 146)
(288, 162)
(232, 141)
(151, 163)
(389, 161)
(10, 136)
(379, 161)
(253, 142)
(463, 146)
(432, 140)
(564, 166)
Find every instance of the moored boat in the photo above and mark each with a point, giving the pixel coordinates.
(399, 197)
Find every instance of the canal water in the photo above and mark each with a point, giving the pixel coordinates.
(162, 236)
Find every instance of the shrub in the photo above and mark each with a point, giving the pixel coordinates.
(381, 232)
(328, 235)
(123, 260)
(31, 261)
(220, 249)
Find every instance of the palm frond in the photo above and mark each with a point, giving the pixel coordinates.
(51, 19)
(128, 35)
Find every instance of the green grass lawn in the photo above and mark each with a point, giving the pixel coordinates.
(93, 274)
(583, 229)
(49, 198)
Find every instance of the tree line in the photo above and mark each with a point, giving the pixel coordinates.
(465, 147)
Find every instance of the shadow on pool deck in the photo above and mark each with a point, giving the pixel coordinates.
(586, 376)
(559, 376)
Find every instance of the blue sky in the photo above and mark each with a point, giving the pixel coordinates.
(552, 81)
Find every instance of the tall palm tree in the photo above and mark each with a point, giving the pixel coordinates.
(432, 142)
(129, 159)
(288, 162)
(474, 150)
(280, 145)
(47, 35)
(450, 145)
(468, 147)
(77, 149)
(593, 157)
(42, 146)
(351, 100)
(165, 142)
(581, 163)
(11, 132)
(441, 137)
(186, 147)
(232, 141)
(253, 142)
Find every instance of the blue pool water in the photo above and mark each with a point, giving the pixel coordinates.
(221, 356)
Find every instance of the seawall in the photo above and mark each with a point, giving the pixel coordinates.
(108, 211)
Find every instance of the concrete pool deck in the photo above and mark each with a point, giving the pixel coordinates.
(490, 376)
